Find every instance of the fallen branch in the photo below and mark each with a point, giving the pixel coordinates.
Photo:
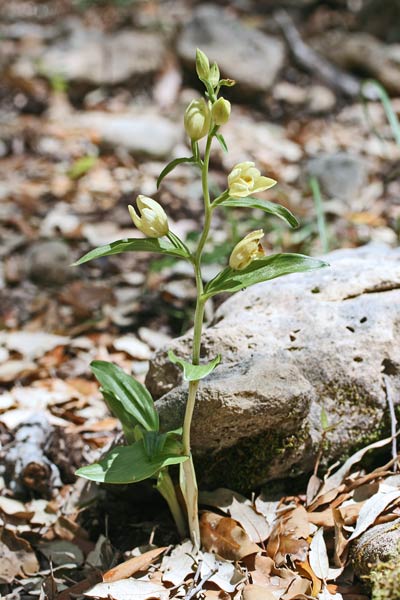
(311, 61)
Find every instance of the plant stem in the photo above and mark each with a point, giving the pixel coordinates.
(167, 490)
(188, 475)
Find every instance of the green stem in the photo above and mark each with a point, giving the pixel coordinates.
(167, 490)
(188, 475)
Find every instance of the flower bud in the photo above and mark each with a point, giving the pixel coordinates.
(247, 250)
(221, 110)
(153, 221)
(214, 75)
(202, 65)
(197, 119)
(245, 179)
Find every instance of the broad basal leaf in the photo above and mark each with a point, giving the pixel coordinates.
(128, 464)
(128, 421)
(132, 395)
(269, 207)
(133, 245)
(156, 443)
(262, 269)
(194, 372)
(171, 166)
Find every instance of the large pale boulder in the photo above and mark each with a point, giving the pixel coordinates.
(329, 338)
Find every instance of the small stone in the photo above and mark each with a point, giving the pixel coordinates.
(248, 56)
(142, 134)
(377, 544)
(49, 262)
(104, 59)
(340, 175)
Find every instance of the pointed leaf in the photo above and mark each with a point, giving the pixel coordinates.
(171, 166)
(222, 141)
(133, 245)
(133, 396)
(128, 464)
(194, 372)
(259, 270)
(269, 207)
(128, 422)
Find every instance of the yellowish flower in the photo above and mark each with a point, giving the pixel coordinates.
(247, 250)
(221, 110)
(197, 119)
(245, 179)
(153, 221)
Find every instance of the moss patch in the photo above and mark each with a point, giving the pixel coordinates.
(247, 465)
(385, 580)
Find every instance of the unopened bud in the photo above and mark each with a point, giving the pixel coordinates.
(197, 119)
(214, 75)
(153, 221)
(202, 65)
(221, 111)
(248, 249)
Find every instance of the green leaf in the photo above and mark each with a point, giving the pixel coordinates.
(128, 422)
(132, 395)
(81, 166)
(171, 166)
(128, 464)
(156, 443)
(222, 141)
(269, 207)
(194, 372)
(133, 245)
(259, 270)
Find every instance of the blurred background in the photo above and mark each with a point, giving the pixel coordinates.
(92, 95)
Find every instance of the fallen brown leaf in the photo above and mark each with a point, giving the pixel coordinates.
(225, 537)
(133, 565)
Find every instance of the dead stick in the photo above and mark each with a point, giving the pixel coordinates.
(311, 61)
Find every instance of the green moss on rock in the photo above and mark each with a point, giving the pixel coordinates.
(247, 465)
(385, 580)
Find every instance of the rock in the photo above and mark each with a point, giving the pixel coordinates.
(141, 134)
(96, 58)
(361, 53)
(49, 262)
(378, 544)
(290, 347)
(247, 55)
(340, 175)
(382, 23)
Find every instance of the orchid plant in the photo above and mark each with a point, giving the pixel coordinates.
(149, 452)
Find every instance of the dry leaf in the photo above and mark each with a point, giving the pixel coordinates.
(241, 509)
(304, 569)
(323, 518)
(257, 592)
(16, 557)
(318, 556)
(133, 565)
(334, 481)
(225, 537)
(298, 588)
(129, 589)
(289, 537)
(371, 510)
(179, 564)
(227, 577)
